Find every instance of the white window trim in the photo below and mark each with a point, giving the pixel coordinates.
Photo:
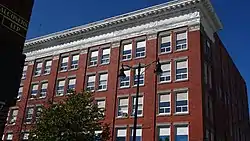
(162, 82)
(145, 52)
(131, 54)
(132, 99)
(128, 80)
(177, 60)
(171, 48)
(170, 101)
(180, 113)
(119, 106)
(181, 31)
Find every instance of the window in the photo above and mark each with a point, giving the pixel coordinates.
(123, 107)
(103, 81)
(140, 49)
(93, 58)
(74, 61)
(72, 84)
(20, 93)
(13, 116)
(164, 134)
(43, 91)
(181, 102)
(138, 134)
(165, 76)
(164, 103)
(181, 41)
(25, 136)
(34, 90)
(140, 106)
(141, 79)
(38, 69)
(24, 72)
(60, 87)
(101, 105)
(121, 134)
(47, 68)
(98, 135)
(38, 112)
(125, 82)
(105, 56)
(64, 63)
(9, 136)
(181, 70)
(91, 83)
(181, 133)
(127, 52)
(165, 44)
(29, 114)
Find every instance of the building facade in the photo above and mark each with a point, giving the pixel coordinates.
(200, 96)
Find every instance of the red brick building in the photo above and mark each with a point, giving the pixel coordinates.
(200, 96)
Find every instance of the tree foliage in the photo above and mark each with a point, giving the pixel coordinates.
(74, 119)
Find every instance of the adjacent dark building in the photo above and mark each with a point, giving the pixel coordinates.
(14, 21)
(200, 96)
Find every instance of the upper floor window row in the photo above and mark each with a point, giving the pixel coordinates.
(38, 90)
(42, 67)
(65, 86)
(102, 82)
(140, 50)
(69, 62)
(104, 58)
(180, 42)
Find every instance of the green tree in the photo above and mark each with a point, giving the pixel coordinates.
(74, 119)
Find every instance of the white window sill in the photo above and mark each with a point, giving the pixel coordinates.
(165, 114)
(63, 70)
(92, 66)
(165, 82)
(101, 90)
(72, 69)
(180, 50)
(37, 75)
(120, 117)
(182, 113)
(42, 97)
(124, 60)
(59, 95)
(163, 53)
(138, 116)
(181, 80)
(141, 85)
(11, 124)
(27, 122)
(124, 87)
(46, 74)
(102, 64)
(141, 57)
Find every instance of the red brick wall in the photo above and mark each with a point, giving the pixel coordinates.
(150, 118)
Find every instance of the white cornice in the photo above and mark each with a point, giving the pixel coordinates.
(175, 8)
(145, 29)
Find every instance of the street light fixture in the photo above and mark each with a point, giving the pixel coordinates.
(122, 75)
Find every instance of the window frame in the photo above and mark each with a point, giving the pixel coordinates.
(127, 55)
(159, 133)
(13, 117)
(38, 70)
(47, 69)
(105, 61)
(140, 52)
(94, 62)
(182, 106)
(64, 65)
(170, 73)
(181, 74)
(74, 65)
(161, 44)
(62, 90)
(139, 105)
(122, 81)
(159, 102)
(92, 86)
(123, 106)
(143, 71)
(103, 86)
(121, 136)
(29, 116)
(182, 44)
(32, 94)
(43, 94)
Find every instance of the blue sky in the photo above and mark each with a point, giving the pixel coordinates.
(55, 15)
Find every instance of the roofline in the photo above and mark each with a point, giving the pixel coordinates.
(120, 19)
